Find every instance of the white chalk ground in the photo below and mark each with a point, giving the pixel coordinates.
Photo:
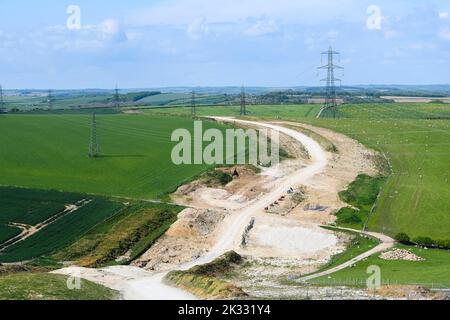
(293, 240)
(134, 283)
(137, 284)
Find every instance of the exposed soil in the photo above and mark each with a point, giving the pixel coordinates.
(285, 239)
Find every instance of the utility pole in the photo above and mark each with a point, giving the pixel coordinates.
(2, 102)
(116, 98)
(193, 104)
(329, 109)
(50, 100)
(243, 102)
(94, 148)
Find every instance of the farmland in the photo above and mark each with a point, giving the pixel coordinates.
(96, 233)
(50, 152)
(30, 207)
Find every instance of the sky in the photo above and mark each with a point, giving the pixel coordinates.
(274, 43)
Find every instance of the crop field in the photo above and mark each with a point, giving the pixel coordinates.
(30, 207)
(260, 111)
(51, 152)
(415, 138)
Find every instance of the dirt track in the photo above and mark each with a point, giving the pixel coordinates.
(136, 283)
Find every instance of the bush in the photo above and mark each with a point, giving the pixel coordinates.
(403, 238)
(348, 216)
(424, 241)
(217, 176)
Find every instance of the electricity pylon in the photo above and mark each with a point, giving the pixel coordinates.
(94, 148)
(193, 105)
(50, 100)
(329, 109)
(243, 102)
(116, 98)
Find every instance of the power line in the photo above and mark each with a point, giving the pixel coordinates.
(329, 109)
(193, 104)
(94, 147)
(243, 102)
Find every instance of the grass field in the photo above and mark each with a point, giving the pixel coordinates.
(40, 286)
(431, 272)
(50, 152)
(261, 111)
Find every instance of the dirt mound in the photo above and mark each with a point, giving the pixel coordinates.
(400, 254)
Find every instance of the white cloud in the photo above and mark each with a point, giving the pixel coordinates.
(262, 27)
(183, 12)
(443, 15)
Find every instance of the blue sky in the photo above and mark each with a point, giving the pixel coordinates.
(158, 43)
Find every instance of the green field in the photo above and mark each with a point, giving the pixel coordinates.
(51, 152)
(31, 207)
(416, 197)
(260, 111)
(39, 286)
(433, 272)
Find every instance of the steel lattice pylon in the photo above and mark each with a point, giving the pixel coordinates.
(329, 109)
(50, 100)
(243, 102)
(193, 105)
(116, 98)
(94, 148)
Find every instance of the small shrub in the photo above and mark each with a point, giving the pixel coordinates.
(403, 238)
(348, 216)
(217, 176)
(424, 241)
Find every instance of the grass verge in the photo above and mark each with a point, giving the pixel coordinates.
(432, 272)
(44, 286)
(122, 238)
(205, 281)
(361, 195)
